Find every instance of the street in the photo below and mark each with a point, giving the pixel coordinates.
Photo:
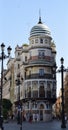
(52, 125)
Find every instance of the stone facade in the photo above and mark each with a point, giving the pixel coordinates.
(66, 93)
(35, 63)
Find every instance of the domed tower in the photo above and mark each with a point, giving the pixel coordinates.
(39, 73)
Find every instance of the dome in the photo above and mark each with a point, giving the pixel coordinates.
(40, 29)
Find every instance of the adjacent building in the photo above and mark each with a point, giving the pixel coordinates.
(58, 108)
(66, 93)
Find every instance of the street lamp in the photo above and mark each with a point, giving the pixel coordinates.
(18, 82)
(63, 125)
(2, 57)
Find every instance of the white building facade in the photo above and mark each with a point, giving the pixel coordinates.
(35, 63)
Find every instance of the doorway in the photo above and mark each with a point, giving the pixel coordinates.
(41, 112)
(41, 115)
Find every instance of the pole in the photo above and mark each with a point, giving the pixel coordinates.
(1, 113)
(18, 101)
(19, 104)
(21, 118)
(63, 114)
(2, 57)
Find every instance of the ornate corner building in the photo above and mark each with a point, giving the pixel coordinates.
(35, 63)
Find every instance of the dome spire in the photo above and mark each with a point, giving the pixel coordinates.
(39, 17)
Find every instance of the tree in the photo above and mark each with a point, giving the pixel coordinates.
(7, 106)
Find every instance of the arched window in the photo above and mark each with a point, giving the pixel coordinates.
(25, 58)
(41, 40)
(29, 91)
(48, 90)
(35, 89)
(46, 41)
(32, 41)
(36, 40)
(41, 91)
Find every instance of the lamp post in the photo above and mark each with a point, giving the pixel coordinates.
(2, 57)
(63, 125)
(18, 82)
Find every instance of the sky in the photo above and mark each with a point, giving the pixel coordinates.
(17, 17)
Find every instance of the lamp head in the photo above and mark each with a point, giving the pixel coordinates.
(9, 50)
(62, 60)
(2, 47)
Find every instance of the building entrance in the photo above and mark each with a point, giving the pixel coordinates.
(41, 112)
(41, 115)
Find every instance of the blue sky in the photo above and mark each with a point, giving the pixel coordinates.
(17, 17)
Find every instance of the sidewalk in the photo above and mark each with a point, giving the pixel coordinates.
(53, 125)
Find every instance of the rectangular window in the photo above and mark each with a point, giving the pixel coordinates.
(41, 40)
(25, 58)
(18, 53)
(41, 54)
(36, 40)
(18, 66)
(41, 72)
(30, 55)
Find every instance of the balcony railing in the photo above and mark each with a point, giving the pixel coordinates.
(39, 60)
(52, 100)
(37, 76)
(43, 60)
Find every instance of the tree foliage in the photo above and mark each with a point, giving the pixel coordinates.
(7, 104)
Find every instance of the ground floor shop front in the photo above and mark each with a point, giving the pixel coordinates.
(37, 111)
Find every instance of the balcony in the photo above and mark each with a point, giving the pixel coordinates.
(41, 60)
(37, 76)
(52, 100)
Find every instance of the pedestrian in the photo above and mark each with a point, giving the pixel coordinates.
(35, 117)
(30, 118)
(65, 118)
